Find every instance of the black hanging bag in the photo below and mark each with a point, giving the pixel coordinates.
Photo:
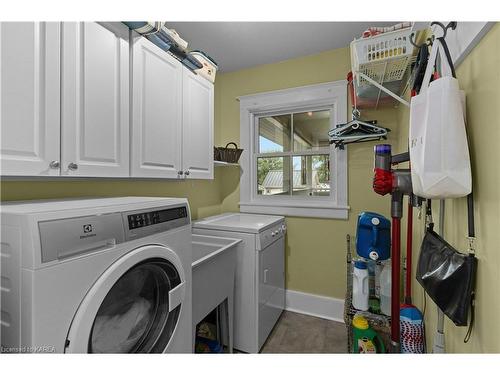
(448, 276)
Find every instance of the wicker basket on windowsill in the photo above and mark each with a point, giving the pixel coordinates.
(228, 154)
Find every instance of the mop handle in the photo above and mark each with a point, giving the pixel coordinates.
(409, 241)
(395, 283)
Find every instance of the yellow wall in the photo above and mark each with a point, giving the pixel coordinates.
(480, 78)
(315, 250)
(204, 196)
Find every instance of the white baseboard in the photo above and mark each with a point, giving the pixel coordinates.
(312, 304)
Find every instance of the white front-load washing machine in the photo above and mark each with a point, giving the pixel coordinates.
(107, 275)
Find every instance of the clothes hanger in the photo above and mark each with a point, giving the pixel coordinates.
(340, 144)
(356, 128)
(356, 131)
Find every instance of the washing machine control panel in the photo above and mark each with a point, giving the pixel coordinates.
(144, 219)
(146, 222)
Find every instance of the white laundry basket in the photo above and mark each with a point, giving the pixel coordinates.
(384, 57)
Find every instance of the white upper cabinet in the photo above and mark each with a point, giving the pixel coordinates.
(95, 100)
(29, 98)
(157, 112)
(86, 99)
(197, 126)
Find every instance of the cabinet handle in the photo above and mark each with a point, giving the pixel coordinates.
(186, 173)
(180, 173)
(72, 166)
(54, 164)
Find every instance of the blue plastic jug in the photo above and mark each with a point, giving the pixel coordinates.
(373, 237)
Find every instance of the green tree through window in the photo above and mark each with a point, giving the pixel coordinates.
(264, 165)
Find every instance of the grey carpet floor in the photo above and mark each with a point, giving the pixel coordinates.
(298, 333)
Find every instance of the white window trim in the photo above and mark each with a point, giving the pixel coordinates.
(330, 94)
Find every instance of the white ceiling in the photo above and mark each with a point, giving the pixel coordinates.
(239, 45)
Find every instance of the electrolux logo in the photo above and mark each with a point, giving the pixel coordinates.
(88, 230)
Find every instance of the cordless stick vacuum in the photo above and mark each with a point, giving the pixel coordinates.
(396, 182)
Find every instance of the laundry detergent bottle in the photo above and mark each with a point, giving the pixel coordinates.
(365, 339)
(360, 288)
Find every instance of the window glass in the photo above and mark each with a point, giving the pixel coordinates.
(273, 176)
(311, 175)
(310, 130)
(275, 133)
(297, 175)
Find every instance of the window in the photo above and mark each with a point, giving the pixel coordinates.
(293, 154)
(288, 165)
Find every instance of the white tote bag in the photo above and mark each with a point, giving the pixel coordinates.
(439, 154)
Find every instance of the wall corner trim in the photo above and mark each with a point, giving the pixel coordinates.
(315, 305)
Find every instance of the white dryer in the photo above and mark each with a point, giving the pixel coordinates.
(96, 276)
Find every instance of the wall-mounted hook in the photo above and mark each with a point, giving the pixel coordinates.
(428, 42)
(451, 25)
(412, 41)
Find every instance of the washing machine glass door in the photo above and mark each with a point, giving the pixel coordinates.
(133, 308)
(134, 317)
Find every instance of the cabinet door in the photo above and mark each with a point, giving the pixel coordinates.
(157, 111)
(29, 98)
(197, 126)
(95, 100)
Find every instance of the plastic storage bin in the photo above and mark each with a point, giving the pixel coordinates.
(385, 59)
